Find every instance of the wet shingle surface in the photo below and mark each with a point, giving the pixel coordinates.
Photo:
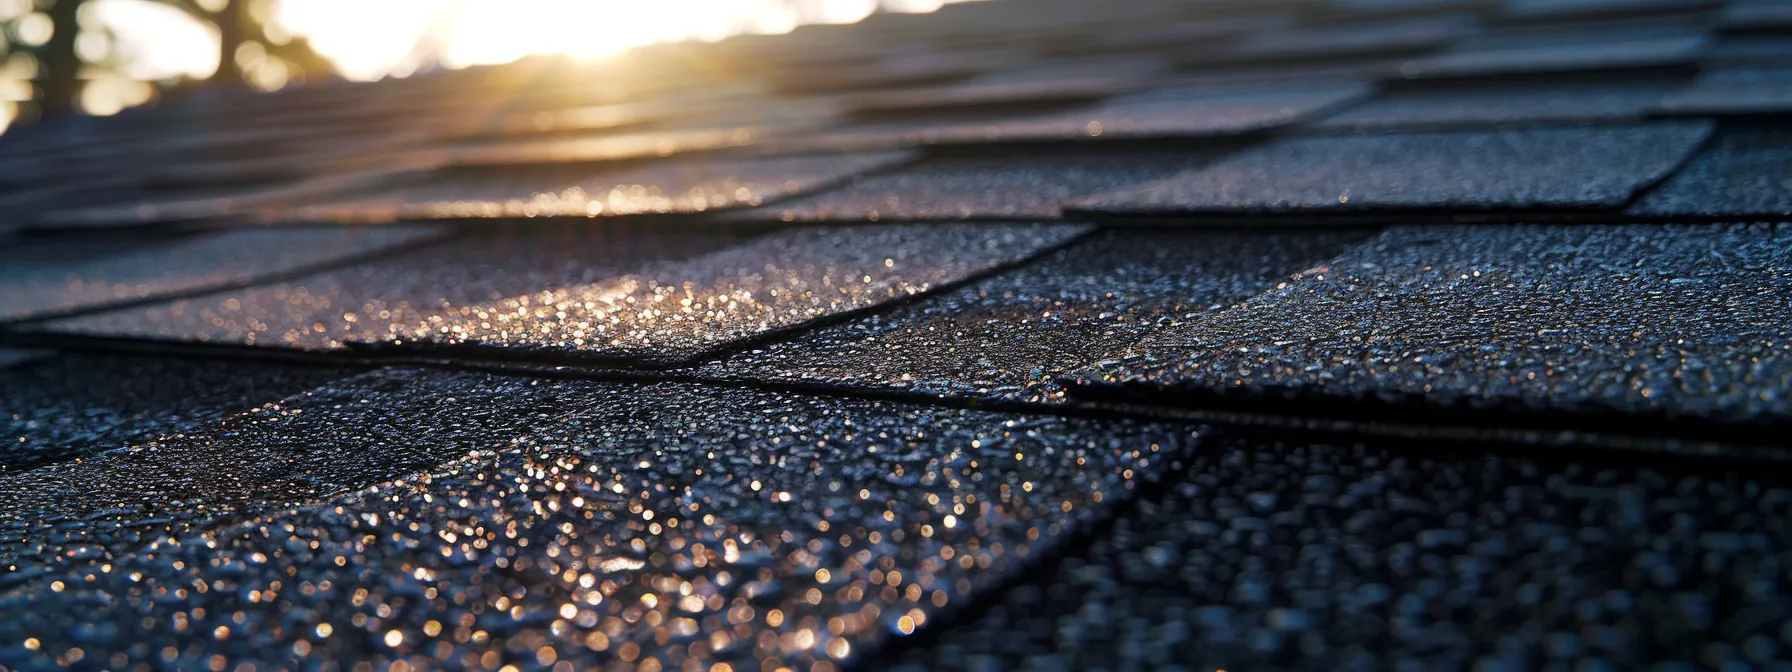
(62, 407)
(1070, 81)
(333, 438)
(1746, 172)
(1533, 54)
(1322, 43)
(795, 352)
(1178, 112)
(1012, 337)
(1676, 321)
(990, 185)
(50, 278)
(585, 295)
(227, 203)
(379, 300)
(821, 529)
(655, 188)
(1508, 169)
(1527, 102)
(1272, 554)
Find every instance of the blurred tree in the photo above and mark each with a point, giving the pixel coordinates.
(248, 51)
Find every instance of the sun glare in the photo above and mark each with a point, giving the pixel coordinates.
(372, 40)
(368, 40)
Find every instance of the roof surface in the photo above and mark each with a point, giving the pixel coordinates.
(1031, 334)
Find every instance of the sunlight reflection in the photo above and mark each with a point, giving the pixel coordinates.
(369, 40)
(153, 42)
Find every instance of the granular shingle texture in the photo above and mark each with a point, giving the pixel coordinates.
(1012, 337)
(1165, 335)
(334, 438)
(1065, 81)
(1178, 112)
(598, 146)
(765, 527)
(1676, 321)
(1550, 54)
(991, 185)
(1278, 553)
(1525, 102)
(229, 203)
(1747, 172)
(59, 408)
(37, 282)
(1591, 167)
(1321, 43)
(655, 188)
(547, 295)
(378, 300)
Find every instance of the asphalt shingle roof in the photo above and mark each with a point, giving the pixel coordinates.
(1028, 334)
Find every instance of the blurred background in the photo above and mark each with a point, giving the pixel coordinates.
(99, 57)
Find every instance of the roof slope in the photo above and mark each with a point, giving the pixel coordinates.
(1030, 334)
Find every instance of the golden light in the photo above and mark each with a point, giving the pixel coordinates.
(365, 40)
(370, 40)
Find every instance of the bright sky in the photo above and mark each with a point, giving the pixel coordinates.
(369, 39)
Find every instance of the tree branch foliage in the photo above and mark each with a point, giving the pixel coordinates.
(239, 64)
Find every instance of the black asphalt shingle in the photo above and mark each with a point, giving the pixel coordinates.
(1323, 43)
(1735, 91)
(333, 438)
(1013, 336)
(686, 186)
(379, 299)
(1061, 81)
(653, 514)
(1768, 15)
(594, 147)
(1555, 168)
(1679, 322)
(11, 356)
(39, 280)
(1567, 10)
(988, 185)
(1192, 111)
(626, 298)
(64, 407)
(1750, 52)
(1159, 36)
(1276, 553)
(1534, 54)
(948, 429)
(1602, 99)
(1745, 173)
(150, 206)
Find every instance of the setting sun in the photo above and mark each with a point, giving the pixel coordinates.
(370, 40)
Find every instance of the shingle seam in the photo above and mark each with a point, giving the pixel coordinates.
(719, 351)
(1495, 430)
(1712, 136)
(379, 353)
(282, 276)
(1044, 570)
(1751, 440)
